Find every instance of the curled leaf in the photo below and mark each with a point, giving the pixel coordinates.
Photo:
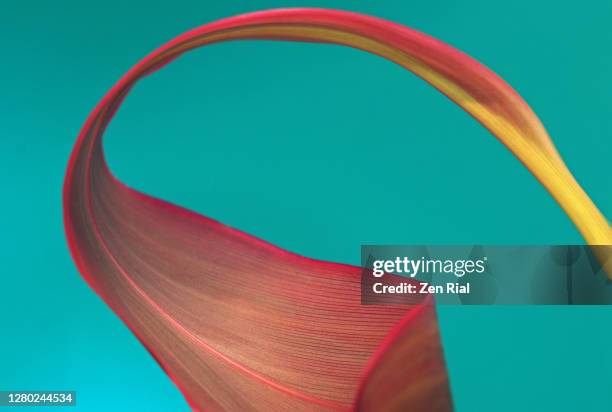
(242, 325)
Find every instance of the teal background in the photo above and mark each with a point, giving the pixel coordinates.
(315, 148)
